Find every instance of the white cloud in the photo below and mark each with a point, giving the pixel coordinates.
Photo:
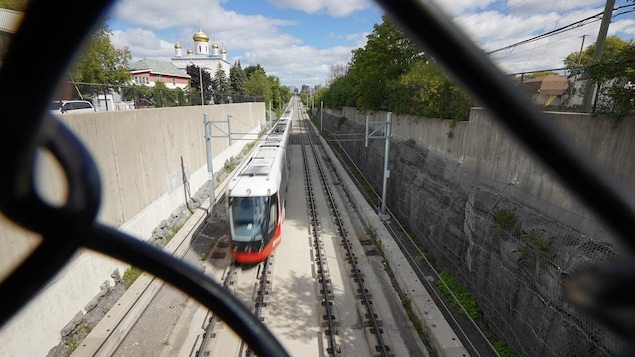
(505, 24)
(161, 15)
(252, 39)
(456, 8)
(144, 42)
(624, 26)
(278, 44)
(300, 64)
(336, 8)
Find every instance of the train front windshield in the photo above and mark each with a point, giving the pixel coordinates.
(248, 217)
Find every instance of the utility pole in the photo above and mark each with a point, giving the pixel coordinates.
(575, 78)
(599, 48)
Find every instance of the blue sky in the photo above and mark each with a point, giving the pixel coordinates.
(300, 40)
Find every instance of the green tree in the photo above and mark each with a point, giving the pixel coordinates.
(392, 73)
(319, 96)
(386, 56)
(258, 85)
(220, 82)
(140, 94)
(340, 93)
(612, 46)
(276, 98)
(197, 74)
(98, 61)
(616, 78)
(613, 74)
(159, 94)
(237, 79)
(427, 90)
(165, 97)
(250, 70)
(285, 96)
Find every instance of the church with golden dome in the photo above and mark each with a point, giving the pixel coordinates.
(201, 56)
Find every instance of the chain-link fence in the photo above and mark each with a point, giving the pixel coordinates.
(513, 258)
(124, 97)
(509, 248)
(567, 91)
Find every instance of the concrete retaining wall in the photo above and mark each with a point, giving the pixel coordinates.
(484, 147)
(142, 157)
(450, 184)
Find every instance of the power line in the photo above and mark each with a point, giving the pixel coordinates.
(551, 33)
(561, 38)
(583, 22)
(490, 8)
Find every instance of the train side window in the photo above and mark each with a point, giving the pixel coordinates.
(273, 217)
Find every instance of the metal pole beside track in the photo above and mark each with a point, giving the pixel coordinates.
(386, 173)
(210, 168)
(321, 110)
(383, 214)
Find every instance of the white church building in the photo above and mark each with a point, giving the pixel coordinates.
(201, 56)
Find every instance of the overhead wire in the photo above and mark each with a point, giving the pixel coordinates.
(516, 53)
(580, 23)
(544, 50)
(459, 22)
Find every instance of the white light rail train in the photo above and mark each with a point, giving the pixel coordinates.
(256, 196)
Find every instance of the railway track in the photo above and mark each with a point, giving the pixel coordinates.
(256, 288)
(378, 342)
(317, 292)
(252, 285)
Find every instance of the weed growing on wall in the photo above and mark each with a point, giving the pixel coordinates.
(464, 302)
(506, 224)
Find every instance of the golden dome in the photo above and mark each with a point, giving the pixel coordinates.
(189, 51)
(200, 36)
(223, 51)
(177, 46)
(214, 45)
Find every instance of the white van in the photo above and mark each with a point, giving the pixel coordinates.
(71, 106)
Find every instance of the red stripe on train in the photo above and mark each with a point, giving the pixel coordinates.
(257, 257)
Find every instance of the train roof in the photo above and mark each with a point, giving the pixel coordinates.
(261, 174)
(261, 163)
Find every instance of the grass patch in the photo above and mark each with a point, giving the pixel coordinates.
(130, 275)
(464, 302)
(73, 341)
(72, 346)
(169, 237)
(406, 302)
(503, 350)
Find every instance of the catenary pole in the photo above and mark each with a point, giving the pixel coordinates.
(210, 169)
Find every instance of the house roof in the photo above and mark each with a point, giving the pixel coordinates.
(551, 84)
(158, 67)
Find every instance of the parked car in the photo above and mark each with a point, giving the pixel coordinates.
(71, 106)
